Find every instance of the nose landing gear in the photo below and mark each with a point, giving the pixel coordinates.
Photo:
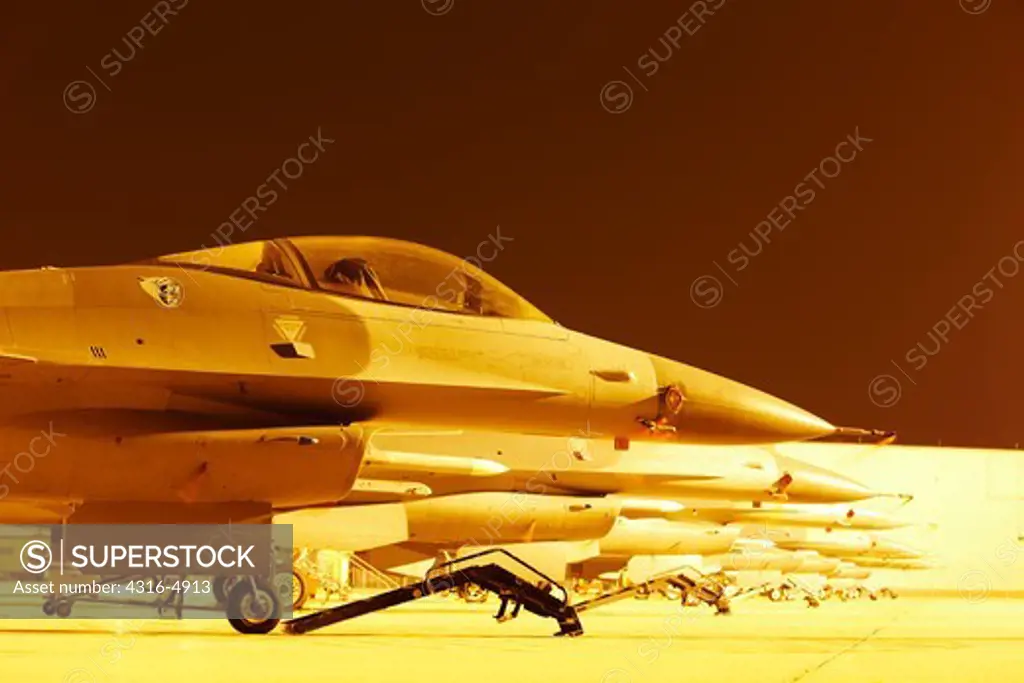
(257, 605)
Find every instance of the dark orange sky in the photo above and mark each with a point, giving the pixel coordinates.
(491, 113)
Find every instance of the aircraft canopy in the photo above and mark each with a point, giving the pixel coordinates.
(376, 268)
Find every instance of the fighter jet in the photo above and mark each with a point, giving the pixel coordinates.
(192, 376)
(573, 508)
(733, 536)
(827, 517)
(789, 548)
(850, 571)
(416, 463)
(847, 545)
(481, 489)
(228, 384)
(577, 509)
(836, 554)
(886, 550)
(919, 562)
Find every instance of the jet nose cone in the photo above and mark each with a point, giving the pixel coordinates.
(720, 410)
(874, 520)
(812, 484)
(887, 549)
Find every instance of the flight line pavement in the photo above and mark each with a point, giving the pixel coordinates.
(441, 639)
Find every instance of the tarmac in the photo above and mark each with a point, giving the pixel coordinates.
(442, 639)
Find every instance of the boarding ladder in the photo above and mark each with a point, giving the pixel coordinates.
(517, 584)
(687, 578)
(811, 596)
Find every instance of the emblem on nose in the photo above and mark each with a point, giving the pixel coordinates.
(166, 291)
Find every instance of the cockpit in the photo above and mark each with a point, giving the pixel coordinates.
(375, 268)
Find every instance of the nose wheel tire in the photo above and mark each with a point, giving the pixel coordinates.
(256, 605)
(299, 590)
(60, 608)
